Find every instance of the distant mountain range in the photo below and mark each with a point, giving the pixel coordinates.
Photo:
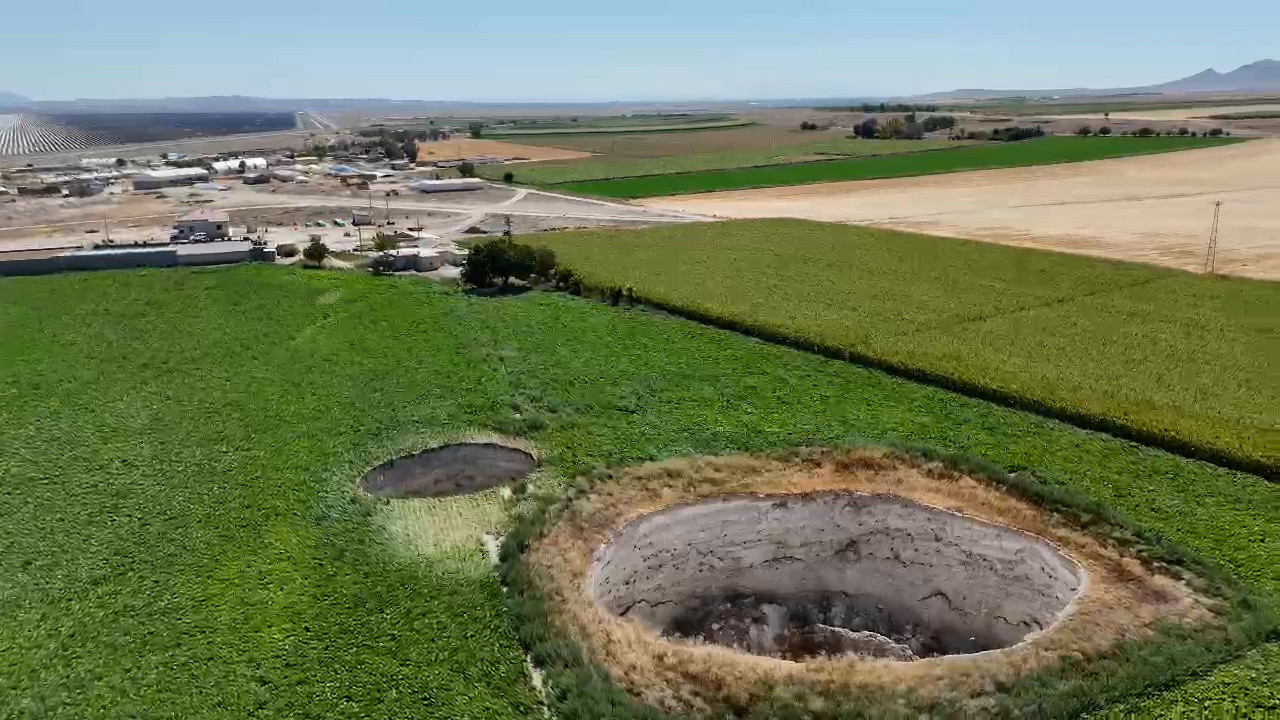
(1260, 76)
(8, 99)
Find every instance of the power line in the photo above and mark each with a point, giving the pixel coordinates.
(1211, 254)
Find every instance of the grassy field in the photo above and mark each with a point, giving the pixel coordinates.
(659, 144)
(179, 536)
(1246, 116)
(598, 168)
(1159, 353)
(1046, 151)
(621, 128)
(1021, 106)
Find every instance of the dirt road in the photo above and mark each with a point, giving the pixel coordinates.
(1156, 208)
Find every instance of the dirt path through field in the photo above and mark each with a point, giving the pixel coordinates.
(1156, 208)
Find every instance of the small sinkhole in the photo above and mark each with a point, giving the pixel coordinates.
(455, 469)
(833, 574)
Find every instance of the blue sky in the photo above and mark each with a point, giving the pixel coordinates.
(569, 50)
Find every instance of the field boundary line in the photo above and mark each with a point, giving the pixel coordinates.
(907, 371)
(834, 157)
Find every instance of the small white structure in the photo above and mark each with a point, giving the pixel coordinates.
(289, 176)
(236, 165)
(155, 179)
(215, 224)
(452, 185)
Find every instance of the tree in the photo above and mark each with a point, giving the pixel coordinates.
(1084, 131)
(121, 162)
(385, 242)
(467, 169)
(1104, 131)
(892, 129)
(1216, 132)
(242, 167)
(498, 259)
(315, 251)
(433, 134)
(410, 150)
(476, 130)
(1183, 132)
(1144, 132)
(508, 177)
(394, 152)
(939, 122)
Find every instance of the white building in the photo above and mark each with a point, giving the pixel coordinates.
(453, 185)
(216, 224)
(235, 166)
(153, 179)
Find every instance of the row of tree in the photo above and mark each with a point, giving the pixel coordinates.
(1152, 132)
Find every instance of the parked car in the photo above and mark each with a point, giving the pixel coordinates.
(200, 237)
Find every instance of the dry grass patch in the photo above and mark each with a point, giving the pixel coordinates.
(1122, 600)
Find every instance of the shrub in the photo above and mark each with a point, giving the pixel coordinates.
(287, 250)
(382, 264)
(1084, 130)
(316, 251)
(1145, 132)
(385, 242)
(544, 262)
(1104, 131)
(508, 177)
(1216, 132)
(467, 169)
(1016, 133)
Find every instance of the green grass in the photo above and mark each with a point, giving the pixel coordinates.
(178, 531)
(1246, 116)
(1163, 355)
(1247, 687)
(597, 168)
(1045, 151)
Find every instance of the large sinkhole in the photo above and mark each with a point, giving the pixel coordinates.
(454, 469)
(833, 574)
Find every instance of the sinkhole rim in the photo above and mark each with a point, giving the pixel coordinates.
(839, 602)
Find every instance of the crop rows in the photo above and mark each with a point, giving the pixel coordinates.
(1118, 346)
(1046, 151)
(36, 135)
(183, 538)
(601, 168)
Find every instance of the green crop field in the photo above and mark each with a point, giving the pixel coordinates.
(1263, 115)
(1163, 354)
(1044, 151)
(179, 536)
(597, 168)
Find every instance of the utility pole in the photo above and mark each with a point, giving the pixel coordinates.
(106, 231)
(1211, 254)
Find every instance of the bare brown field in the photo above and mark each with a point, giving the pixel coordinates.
(752, 137)
(1155, 209)
(1188, 113)
(469, 147)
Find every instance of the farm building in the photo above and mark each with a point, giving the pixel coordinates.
(238, 165)
(453, 185)
(214, 223)
(154, 179)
